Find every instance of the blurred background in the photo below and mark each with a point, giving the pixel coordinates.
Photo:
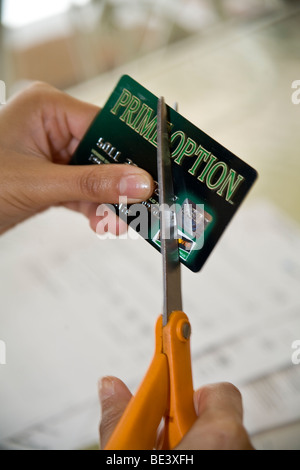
(67, 41)
(74, 308)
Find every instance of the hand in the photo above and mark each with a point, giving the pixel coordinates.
(39, 131)
(219, 408)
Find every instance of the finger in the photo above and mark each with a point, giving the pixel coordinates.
(94, 183)
(99, 224)
(71, 119)
(57, 120)
(114, 397)
(220, 420)
(211, 400)
(107, 224)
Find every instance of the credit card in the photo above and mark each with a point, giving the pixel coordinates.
(210, 182)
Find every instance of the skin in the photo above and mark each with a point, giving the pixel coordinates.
(219, 408)
(34, 172)
(39, 131)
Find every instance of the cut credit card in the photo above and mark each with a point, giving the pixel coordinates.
(209, 181)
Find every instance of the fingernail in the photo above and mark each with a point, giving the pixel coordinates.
(106, 388)
(135, 186)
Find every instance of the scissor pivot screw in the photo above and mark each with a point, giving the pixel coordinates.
(184, 330)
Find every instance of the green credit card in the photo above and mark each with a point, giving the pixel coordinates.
(210, 182)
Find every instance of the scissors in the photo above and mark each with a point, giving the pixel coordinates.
(166, 392)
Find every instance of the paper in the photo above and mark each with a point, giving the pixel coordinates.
(75, 308)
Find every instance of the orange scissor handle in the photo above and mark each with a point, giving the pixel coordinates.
(181, 414)
(138, 425)
(166, 391)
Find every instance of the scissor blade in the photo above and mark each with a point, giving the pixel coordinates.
(168, 223)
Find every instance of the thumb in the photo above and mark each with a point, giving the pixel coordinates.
(114, 397)
(93, 183)
(220, 420)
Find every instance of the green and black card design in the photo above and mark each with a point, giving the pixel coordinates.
(206, 175)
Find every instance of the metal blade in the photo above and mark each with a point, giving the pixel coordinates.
(168, 223)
